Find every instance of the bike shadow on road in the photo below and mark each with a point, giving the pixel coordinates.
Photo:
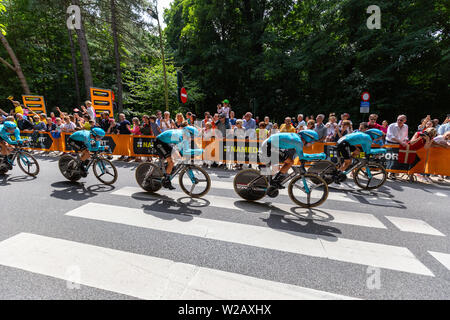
(167, 208)
(384, 198)
(5, 180)
(77, 191)
(291, 221)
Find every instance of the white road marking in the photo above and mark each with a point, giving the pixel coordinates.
(443, 258)
(439, 194)
(346, 250)
(335, 216)
(414, 225)
(141, 276)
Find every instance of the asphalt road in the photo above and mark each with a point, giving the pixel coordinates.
(60, 240)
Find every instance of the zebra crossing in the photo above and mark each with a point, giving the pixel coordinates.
(146, 276)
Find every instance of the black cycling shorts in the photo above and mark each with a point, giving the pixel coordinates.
(77, 145)
(345, 150)
(283, 155)
(163, 149)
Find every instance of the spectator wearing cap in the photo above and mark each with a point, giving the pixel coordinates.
(225, 108)
(320, 128)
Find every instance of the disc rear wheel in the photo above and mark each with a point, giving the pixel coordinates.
(250, 185)
(67, 165)
(149, 177)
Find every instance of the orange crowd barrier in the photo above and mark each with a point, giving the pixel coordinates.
(435, 160)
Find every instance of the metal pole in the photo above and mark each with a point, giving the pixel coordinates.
(164, 60)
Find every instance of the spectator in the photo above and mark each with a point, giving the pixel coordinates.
(58, 125)
(374, 125)
(249, 122)
(332, 129)
(344, 117)
(90, 109)
(136, 128)
(426, 123)
(262, 133)
(257, 120)
(239, 130)
(38, 124)
(124, 125)
(158, 118)
(68, 125)
(232, 119)
(104, 122)
(146, 128)
(23, 124)
(344, 129)
(52, 116)
(442, 140)
(86, 124)
(205, 120)
(274, 129)
(287, 125)
(222, 126)
(156, 130)
(226, 108)
(445, 127)
(269, 125)
(215, 119)
(320, 128)
(363, 126)
(301, 124)
(311, 124)
(385, 126)
(179, 119)
(43, 118)
(113, 127)
(50, 126)
(188, 118)
(423, 139)
(167, 123)
(397, 133)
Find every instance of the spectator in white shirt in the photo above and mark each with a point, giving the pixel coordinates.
(225, 108)
(301, 123)
(90, 110)
(397, 133)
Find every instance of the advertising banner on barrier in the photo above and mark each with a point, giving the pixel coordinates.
(144, 146)
(106, 141)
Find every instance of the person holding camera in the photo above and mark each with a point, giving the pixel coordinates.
(423, 139)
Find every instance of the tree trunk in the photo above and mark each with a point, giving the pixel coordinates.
(16, 64)
(75, 69)
(117, 56)
(88, 82)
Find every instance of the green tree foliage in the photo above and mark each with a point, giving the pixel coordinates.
(315, 56)
(147, 90)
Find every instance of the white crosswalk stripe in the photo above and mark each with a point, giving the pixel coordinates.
(340, 249)
(414, 225)
(336, 216)
(443, 258)
(140, 276)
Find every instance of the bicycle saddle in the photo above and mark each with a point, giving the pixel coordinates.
(314, 156)
(378, 151)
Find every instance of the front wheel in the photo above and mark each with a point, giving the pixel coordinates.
(28, 164)
(250, 185)
(67, 165)
(195, 182)
(105, 171)
(308, 190)
(149, 177)
(370, 176)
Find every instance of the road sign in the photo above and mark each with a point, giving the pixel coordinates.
(365, 96)
(183, 95)
(365, 107)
